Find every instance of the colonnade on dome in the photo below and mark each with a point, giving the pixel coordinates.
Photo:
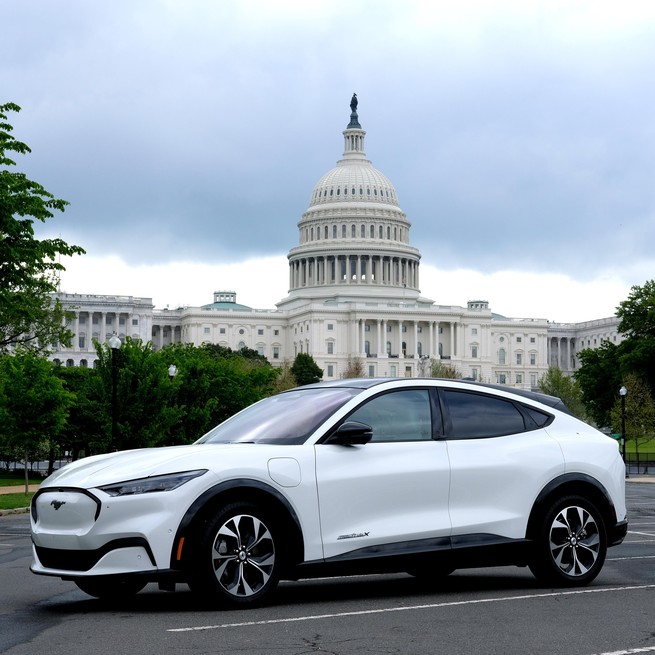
(353, 269)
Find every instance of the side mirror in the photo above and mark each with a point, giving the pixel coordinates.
(352, 433)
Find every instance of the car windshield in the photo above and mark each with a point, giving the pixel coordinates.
(286, 418)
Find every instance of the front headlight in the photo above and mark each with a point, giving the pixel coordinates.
(166, 482)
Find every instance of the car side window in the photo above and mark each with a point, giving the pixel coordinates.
(475, 416)
(397, 416)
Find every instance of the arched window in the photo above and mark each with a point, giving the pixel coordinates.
(362, 231)
(501, 356)
(334, 231)
(388, 347)
(367, 347)
(372, 231)
(353, 231)
(343, 231)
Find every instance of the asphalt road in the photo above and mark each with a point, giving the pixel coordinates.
(478, 611)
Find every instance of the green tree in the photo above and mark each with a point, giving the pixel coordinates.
(213, 383)
(87, 421)
(29, 267)
(33, 405)
(306, 370)
(555, 383)
(637, 313)
(144, 413)
(599, 378)
(639, 412)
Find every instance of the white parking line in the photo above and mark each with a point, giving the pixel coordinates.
(648, 649)
(621, 559)
(316, 617)
(645, 534)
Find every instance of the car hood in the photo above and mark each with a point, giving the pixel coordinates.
(98, 470)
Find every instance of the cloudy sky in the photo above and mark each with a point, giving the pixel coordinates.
(188, 135)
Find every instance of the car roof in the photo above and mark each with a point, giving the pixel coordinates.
(367, 383)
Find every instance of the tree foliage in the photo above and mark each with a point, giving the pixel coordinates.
(555, 383)
(34, 405)
(306, 370)
(639, 412)
(29, 267)
(605, 369)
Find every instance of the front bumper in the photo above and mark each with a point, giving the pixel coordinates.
(79, 532)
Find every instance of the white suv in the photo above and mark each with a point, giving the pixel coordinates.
(419, 475)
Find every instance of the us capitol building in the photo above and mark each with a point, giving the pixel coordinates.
(354, 294)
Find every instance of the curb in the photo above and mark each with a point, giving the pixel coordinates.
(17, 510)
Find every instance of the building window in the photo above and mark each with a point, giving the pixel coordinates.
(135, 321)
(362, 231)
(221, 330)
(533, 359)
(474, 330)
(260, 332)
(330, 347)
(276, 352)
(533, 380)
(519, 339)
(532, 340)
(367, 347)
(388, 347)
(474, 352)
(334, 231)
(260, 350)
(519, 359)
(343, 231)
(367, 327)
(330, 370)
(242, 331)
(81, 341)
(393, 371)
(276, 333)
(502, 378)
(519, 378)
(207, 330)
(371, 371)
(330, 326)
(82, 320)
(501, 355)
(474, 373)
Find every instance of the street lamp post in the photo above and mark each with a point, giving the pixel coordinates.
(114, 344)
(623, 392)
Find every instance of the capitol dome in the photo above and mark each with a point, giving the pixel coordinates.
(353, 237)
(354, 180)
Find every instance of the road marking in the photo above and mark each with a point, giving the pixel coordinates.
(316, 617)
(620, 559)
(648, 649)
(644, 534)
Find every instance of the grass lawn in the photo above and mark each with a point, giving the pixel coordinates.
(15, 480)
(14, 501)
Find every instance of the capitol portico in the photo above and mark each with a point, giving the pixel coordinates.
(354, 293)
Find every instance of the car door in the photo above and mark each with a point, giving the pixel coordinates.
(392, 492)
(501, 457)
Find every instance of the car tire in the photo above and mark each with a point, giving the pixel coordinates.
(571, 543)
(238, 557)
(110, 587)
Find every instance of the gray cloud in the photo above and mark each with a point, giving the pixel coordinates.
(517, 138)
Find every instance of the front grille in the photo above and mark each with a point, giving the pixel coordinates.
(84, 560)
